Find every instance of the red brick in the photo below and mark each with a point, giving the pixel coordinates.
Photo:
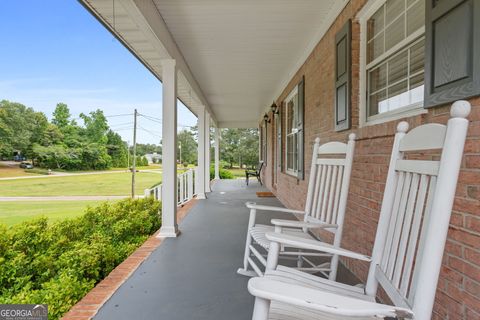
(372, 153)
(465, 268)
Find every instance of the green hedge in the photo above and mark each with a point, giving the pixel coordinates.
(58, 263)
(224, 173)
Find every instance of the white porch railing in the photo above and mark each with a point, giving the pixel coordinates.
(186, 189)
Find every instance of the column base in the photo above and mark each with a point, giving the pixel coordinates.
(168, 232)
(201, 196)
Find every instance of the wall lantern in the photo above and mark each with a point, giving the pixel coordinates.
(265, 117)
(274, 108)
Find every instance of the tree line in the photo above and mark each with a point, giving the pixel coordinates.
(238, 147)
(61, 143)
(64, 143)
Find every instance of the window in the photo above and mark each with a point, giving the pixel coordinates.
(292, 133)
(393, 70)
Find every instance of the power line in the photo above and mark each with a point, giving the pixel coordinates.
(122, 124)
(150, 132)
(154, 131)
(151, 117)
(119, 115)
(122, 129)
(157, 120)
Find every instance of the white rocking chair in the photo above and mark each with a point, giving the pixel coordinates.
(409, 243)
(325, 208)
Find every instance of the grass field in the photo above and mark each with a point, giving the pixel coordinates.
(15, 212)
(116, 184)
(7, 172)
(237, 173)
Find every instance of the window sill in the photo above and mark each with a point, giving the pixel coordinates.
(292, 174)
(382, 118)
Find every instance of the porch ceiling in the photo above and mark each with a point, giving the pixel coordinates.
(235, 57)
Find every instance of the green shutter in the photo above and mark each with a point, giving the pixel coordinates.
(452, 50)
(300, 127)
(278, 128)
(343, 77)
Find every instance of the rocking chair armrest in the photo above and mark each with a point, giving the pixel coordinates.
(252, 205)
(302, 224)
(302, 243)
(328, 302)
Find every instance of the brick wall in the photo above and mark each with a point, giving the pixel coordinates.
(458, 293)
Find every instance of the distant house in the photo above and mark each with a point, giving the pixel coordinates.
(153, 157)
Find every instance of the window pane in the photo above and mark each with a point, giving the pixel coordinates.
(394, 8)
(375, 47)
(415, 17)
(290, 108)
(416, 88)
(377, 102)
(376, 23)
(398, 67)
(417, 53)
(289, 152)
(378, 78)
(294, 152)
(395, 32)
(398, 96)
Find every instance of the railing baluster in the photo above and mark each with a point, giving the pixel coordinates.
(185, 186)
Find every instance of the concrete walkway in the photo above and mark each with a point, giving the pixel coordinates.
(194, 276)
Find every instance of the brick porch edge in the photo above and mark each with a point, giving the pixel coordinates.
(90, 304)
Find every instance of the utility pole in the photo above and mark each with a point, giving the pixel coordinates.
(134, 160)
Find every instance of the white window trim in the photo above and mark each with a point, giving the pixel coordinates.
(288, 98)
(412, 110)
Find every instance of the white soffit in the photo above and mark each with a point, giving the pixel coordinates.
(238, 55)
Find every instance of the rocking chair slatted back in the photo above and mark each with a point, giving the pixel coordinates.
(328, 188)
(328, 183)
(415, 213)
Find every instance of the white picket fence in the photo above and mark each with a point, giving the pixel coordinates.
(185, 187)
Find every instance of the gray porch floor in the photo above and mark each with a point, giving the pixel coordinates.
(194, 276)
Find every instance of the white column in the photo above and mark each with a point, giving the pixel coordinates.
(217, 153)
(207, 152)
(169, 150)
(200, 176)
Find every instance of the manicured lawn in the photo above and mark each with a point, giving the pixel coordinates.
(237, 173)
(16, 212)
(109, 184)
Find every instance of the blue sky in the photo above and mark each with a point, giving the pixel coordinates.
(54, 51)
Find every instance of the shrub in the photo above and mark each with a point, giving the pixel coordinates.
(224, 173)
(58, 263)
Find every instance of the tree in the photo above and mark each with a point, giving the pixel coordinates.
(239, 146)
(61, 116)
(248, 147)
(143, 149)
(188, 145)
(117, 149)
(96, 126)
(20, 128)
